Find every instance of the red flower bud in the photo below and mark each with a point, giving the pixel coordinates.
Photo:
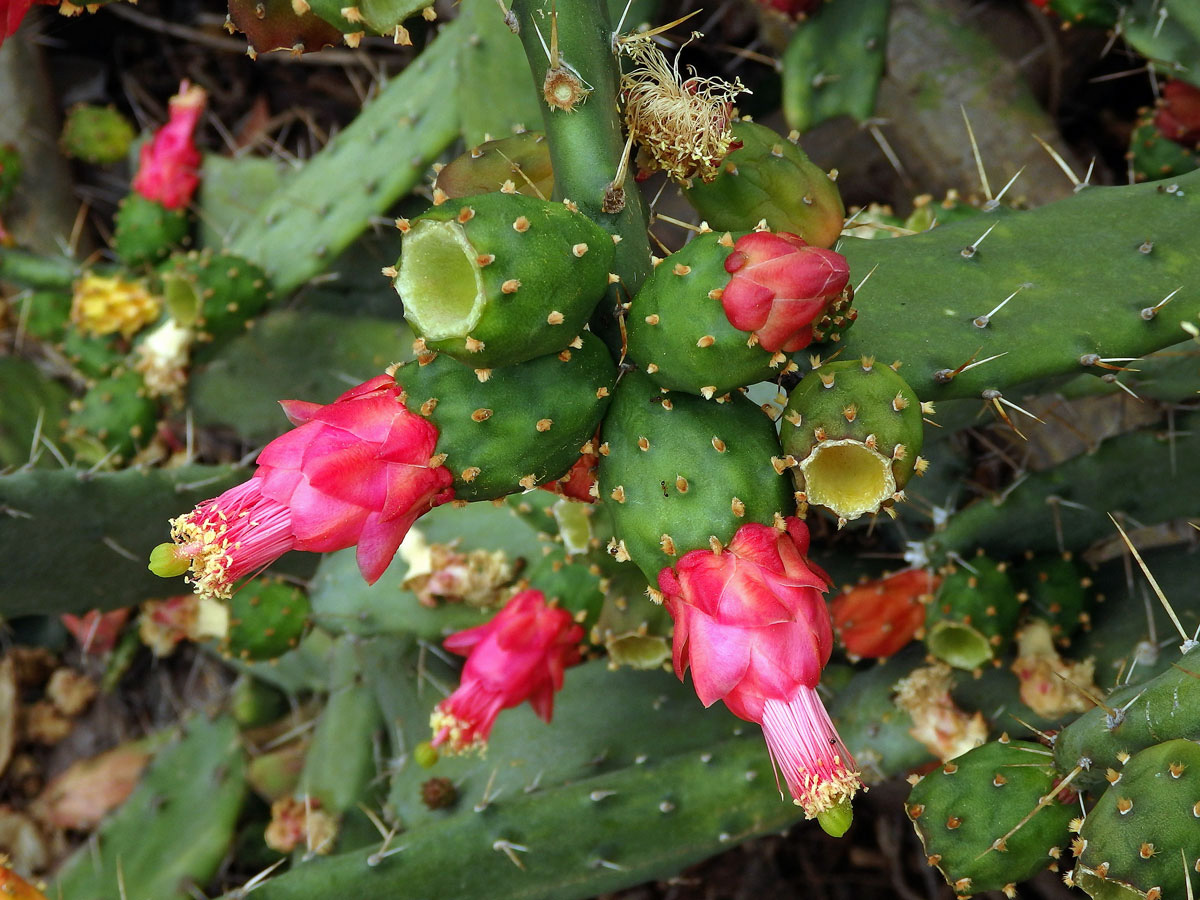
(167, 168)
(780, 286)
(1178, 115)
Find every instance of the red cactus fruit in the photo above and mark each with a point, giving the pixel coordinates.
(1178, 116)
(880, 617)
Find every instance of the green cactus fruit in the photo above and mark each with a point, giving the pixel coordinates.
(253, 702)
(112, 419)
(854, 430)
(1133, 718)
(10, 172)
(1153, 156)
(678, 331)
(498, 279)
(523, 159)
(1059, 591)
(267, 618)
(1141, 839)
(215, 293)
(769, 178)
(508, 430)
(974, 615)
(96, 134)
(679, 473)
(928, 213)
(146, 231)
(1098, 13)
(45, 314)
(971, 816)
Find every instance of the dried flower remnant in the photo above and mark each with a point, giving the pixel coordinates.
(682, 126)
(1051, 686)
(938, 723)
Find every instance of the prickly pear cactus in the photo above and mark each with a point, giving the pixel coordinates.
(146, 231)
(974, 615)
(992, 817)
(267, 617)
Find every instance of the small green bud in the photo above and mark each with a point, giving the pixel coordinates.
(425, 754)
(167, 562)
(836, 820)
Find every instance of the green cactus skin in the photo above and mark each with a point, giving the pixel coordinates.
(709, 792)
(366, 16)
(1059, 591)
(498, 279)
(513, 428)
(175, 828)
(974, 615)
(112, 420)
(253, 702)
(216, 293)
(854, 431)
(770, 179)
(633, 630)
(676, 471)
(96, 134)
(1161, 709)
(1141, 839)
(493, 97)
(146, 231)
(1127, 471)
(523, 159)
(1167, 33)
(10, 172)
(965, 813)
(92, 357)
(45, 314)
(678, 331)
(1153, 157)
(928, 213)
(267, 617)
(33, 404)
(1099, 283)
(115, 518)
(876, 731)
(572, 582)
(587, 143)
(1097, 13)
(322, 208)
(833, 63)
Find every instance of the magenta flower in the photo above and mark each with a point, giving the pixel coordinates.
(752, 625)
(780, 286)
(358, 471)
(519, 655)
(169, 162)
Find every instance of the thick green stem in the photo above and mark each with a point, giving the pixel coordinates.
(586, 141)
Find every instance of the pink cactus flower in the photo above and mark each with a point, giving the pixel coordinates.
(780, 286)
(358, 471)
(169, 162)
(752, 625)
(519, 655)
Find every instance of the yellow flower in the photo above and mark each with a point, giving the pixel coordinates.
(103, 305)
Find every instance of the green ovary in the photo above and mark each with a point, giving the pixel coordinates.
(848, 477)
(439, 281)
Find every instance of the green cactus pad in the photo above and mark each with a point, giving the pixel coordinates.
(854, 430)
(523, 159)
(267, 617)
(1097, 13)
(498, 279)
(114, 417)
(676, 471)
(96, 134)
(1153, 156)
(974, 616)
(1059, 591)
(967, 815)
(770, 179)
(91, 357)
(508, 430)
(1142, 838)
(45, 314)
(1164, 708)
(146, 231)
(215, 293)
(678, 332)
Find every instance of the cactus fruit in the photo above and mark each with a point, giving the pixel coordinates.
(498, 279)
(523, 159)
(1133, 718)
(974, 615)
(992, 816)
(878, 618)
(679, 473)
(854, 431)
(1141, 840)
(1059, 592)
(1153, 156)
(1178, 117)
(215, 293)
(96, 134)
(496, 444)
(772, 180)
(267, 617)
(721, 314)
(112, 420)
(146, 231)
